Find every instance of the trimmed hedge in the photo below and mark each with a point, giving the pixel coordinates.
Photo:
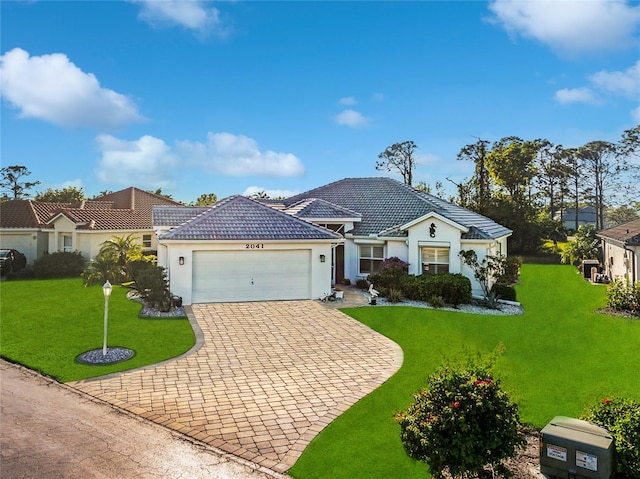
(504, 291)
(59, 265)
(453, 288)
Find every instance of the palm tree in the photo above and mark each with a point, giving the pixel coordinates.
(124, 250)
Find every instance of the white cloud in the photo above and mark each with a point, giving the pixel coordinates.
(626, 83)
(635, 114)
(351, 118)
(148, 162)
(576, 95)
(571, 26)
(347, 100)
(190, 14)
(252, 190)
(52, 88)
(238, 155)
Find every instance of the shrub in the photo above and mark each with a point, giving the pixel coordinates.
(346, 281)
(362, 284)
(511, 270)
(623, 295)
(621, 417)
(504, 291)
(152, 284)
(391, 273)
(394, 296)
(59, 265)
(437, 301)
(461, 423)
(453, 288)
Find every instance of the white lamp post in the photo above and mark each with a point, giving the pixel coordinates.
(106, 289)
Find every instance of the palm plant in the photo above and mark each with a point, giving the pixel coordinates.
(124, 250)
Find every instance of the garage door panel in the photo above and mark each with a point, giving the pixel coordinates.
(220, 276)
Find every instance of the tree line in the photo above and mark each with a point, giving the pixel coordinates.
(526, 185)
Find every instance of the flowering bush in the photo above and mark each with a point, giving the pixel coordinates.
(391, 273)
(461, 423)
(621, 417)
(623, 295)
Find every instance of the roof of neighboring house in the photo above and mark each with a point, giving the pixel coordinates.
(122, 210)
(586, 213)
(240, 218)
(386, 205)
(628, 233)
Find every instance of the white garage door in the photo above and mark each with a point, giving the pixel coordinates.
(229, 276)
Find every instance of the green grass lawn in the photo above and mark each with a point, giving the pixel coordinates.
(560, 356)
(45, 324)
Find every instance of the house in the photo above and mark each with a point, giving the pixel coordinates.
(620, 248)
(35, 228)
(243, 250)
(586, 216)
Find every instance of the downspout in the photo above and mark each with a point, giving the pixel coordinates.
(633, 263)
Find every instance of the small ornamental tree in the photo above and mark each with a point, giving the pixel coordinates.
(462, 423)
(486, 272)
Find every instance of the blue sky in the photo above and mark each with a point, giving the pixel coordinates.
(233, 97)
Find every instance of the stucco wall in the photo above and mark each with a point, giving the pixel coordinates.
(619, 263)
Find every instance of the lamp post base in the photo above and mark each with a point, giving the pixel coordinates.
(114, 355)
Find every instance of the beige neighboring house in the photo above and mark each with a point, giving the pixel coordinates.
(620, 249)
(35, 228)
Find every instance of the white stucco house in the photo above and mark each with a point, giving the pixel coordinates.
(620, 248)
(35, 228)
(244, 250)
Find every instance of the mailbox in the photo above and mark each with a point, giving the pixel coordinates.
(575, 449)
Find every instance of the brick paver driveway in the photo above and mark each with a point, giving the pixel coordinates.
(263, 380)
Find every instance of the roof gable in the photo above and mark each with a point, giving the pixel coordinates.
(240, 218)
(386, 205)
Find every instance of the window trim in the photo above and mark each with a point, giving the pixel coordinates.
(437, 261)
(371, 258)
(144, 241)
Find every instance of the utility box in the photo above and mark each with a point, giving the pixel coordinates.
(575, 449)
(587, 264)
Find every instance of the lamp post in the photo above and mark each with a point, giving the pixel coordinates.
(106, 289)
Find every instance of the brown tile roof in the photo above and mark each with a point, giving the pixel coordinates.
(122, 210)
(628, 233)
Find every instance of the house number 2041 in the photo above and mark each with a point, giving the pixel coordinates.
(254, 246)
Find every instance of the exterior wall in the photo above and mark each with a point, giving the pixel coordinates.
(446, 235)
(621, 263)
(181, 276)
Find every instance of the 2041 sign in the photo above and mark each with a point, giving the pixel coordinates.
(254, 246)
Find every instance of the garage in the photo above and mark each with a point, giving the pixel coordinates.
(252, 275)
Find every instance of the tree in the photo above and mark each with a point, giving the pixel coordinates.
(621, 214)
(10, 180)
(486, 272)
(511, 165)
(600, 167)
(206, 199)
(480, 183)
(584, 246)
(64, 195)
(549, 173)
(399, 157)
(461, 423)
(124, 250)
(160, 193)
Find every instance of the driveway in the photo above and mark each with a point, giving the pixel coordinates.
(262, 381)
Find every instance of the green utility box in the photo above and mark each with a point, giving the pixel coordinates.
(575, 449)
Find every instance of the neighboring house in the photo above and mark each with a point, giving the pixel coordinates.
(586, 216)
(341, 230)
(35, 228)
(620, 249)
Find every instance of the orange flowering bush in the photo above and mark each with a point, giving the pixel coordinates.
(463, 422)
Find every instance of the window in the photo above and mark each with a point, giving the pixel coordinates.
(146, 241)
(370, 258)
(435, 260)
(67, 243)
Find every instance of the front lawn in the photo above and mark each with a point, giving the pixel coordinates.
(560, 356)
(45, 324)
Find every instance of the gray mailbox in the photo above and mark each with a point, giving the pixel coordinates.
(575, 449)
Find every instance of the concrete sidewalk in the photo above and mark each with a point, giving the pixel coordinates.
(263, 381)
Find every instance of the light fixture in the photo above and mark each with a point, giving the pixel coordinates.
(106, 289)
(322, 258)
(181, 260)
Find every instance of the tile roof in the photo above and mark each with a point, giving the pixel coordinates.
(122, 210)
(175, 215)
(240, 218)
(628, 233)
(386, 205)
(314, 209)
